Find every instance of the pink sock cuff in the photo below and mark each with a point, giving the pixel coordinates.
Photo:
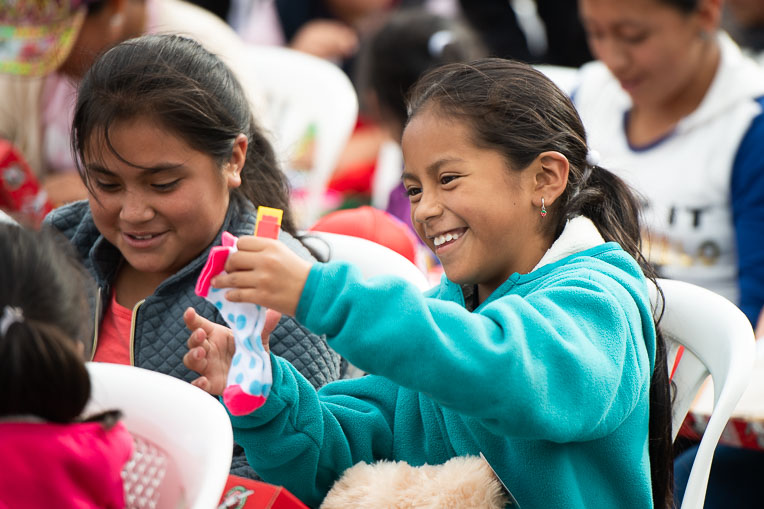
(239, 402)
(215, 264)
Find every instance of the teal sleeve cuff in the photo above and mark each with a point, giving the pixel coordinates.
(308, 291)
(273, 405)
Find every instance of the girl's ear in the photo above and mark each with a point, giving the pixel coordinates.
(551, 177)
(233, 168)
(709, 14)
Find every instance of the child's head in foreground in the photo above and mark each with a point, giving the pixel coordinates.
(44, 326)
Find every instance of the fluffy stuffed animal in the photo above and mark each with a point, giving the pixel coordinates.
(461, 482)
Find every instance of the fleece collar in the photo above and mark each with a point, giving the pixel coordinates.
(578, 235)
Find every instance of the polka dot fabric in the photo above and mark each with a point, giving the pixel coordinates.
(249, 378)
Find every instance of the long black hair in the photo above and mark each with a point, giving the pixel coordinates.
(190, 92)
(516, 110)
(47, 327)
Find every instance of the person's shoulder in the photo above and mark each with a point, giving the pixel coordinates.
(608, 265)
(747, 177)
(597, 89)
(120, 440)
(444, 290)
(739, 78)
(67, 218)
(593, 74)
(75, 223)
(609, 257)
(755, 131)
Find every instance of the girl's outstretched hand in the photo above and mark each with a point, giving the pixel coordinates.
(265, 272)
(210, 349)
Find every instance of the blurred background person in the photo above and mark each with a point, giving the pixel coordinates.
(48, 45)
(407, 43)
(675, 108)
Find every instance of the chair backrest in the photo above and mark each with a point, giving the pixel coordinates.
(183, 437)
(717, 339)
(371, 258)
(312, 109)
(387, 173)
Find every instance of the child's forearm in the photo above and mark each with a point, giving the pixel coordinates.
(299, 441)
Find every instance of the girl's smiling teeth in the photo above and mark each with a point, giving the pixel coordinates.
(441, 239)
(142, 240)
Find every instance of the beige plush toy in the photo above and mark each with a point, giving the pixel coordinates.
(462, 482)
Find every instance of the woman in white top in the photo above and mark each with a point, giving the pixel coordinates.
(675, 109)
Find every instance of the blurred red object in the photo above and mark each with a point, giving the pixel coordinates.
(371, 224)
(242, 493)
(21, 195)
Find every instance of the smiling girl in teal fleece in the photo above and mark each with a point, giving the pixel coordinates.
(538, 348)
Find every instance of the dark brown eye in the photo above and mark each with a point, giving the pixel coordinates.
(166, 186)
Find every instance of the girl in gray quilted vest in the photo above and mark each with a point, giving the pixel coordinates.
(172, 157)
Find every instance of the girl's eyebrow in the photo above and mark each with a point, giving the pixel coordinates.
(433, 167)
(624, 24)
(631, 24)
(157, 168)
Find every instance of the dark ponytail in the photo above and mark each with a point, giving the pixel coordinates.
(516, 110)
(43, 296)
(612, 206)
(610, 203)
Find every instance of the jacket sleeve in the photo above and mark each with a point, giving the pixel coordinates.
(747, 199)
(522, 365)
(304, 440)
(308, 352)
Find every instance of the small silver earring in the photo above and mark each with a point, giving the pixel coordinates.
(543, 209)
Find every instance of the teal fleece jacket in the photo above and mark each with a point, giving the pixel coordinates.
(549, 378)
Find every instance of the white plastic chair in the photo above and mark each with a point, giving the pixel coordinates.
(387, 173)
(307, 98)
(718, 340)
(183, 442)
(371, 258)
